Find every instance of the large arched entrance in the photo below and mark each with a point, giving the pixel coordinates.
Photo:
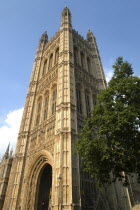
(44, 185)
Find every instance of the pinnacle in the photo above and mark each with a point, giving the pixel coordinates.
(6, 155)
(65, 10)
(66, 16)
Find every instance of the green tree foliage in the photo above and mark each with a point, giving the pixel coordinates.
(110, 140)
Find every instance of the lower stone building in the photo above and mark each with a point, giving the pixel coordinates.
(5, 168)
(46, 174)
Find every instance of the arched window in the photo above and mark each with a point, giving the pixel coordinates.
(54, 96)
(79, 102)
(38, 110)
(50, 61)
(82, 60)
(44, 67)
(87, 100)
(46, 105)
(88, 65)
(56, 55)
(75, 55)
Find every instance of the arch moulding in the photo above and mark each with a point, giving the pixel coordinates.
(38, 161)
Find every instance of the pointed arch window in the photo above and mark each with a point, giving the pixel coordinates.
(54, 96)
(44, 67)
(56, 55)
(38, 110)
(50, 61)
(79, 102)
(87, 100)
(46, 105)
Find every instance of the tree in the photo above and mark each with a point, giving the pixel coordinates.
(109, 143)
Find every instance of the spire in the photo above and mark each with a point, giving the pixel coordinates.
(11, 152)
(66, 17)
(44, 38)
(90, 36)
(6, 155)
(7, 151)
(66, 11)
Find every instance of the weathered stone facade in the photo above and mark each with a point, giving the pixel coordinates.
(67, 75)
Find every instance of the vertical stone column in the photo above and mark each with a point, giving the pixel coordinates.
(91, 100)
(13, 196)
(53, 62)
(65, 119)
(97, 60)
(79, 57)
(83, 101)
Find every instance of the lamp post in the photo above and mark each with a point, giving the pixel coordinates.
(59, 192)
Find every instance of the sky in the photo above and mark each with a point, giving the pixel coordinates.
(115, 24)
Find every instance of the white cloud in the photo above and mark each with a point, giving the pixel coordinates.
(9, 131)
(108, 74)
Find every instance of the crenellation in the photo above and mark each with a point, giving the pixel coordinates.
(77, 38)
(53, 39)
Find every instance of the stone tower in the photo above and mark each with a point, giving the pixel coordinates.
(66, 77)
(46, 174)
(5, 168)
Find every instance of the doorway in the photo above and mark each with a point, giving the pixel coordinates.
(44, 185)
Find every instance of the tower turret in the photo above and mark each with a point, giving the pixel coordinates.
(44, 38)
(66, 18)
(5, 168)
(90, 36)
(97, 60)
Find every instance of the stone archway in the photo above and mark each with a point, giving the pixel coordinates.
(36, 168)
(43, 190)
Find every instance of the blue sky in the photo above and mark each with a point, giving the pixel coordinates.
(116, 25)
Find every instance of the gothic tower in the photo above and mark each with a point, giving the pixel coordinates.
(66, 77)
(5, 168)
